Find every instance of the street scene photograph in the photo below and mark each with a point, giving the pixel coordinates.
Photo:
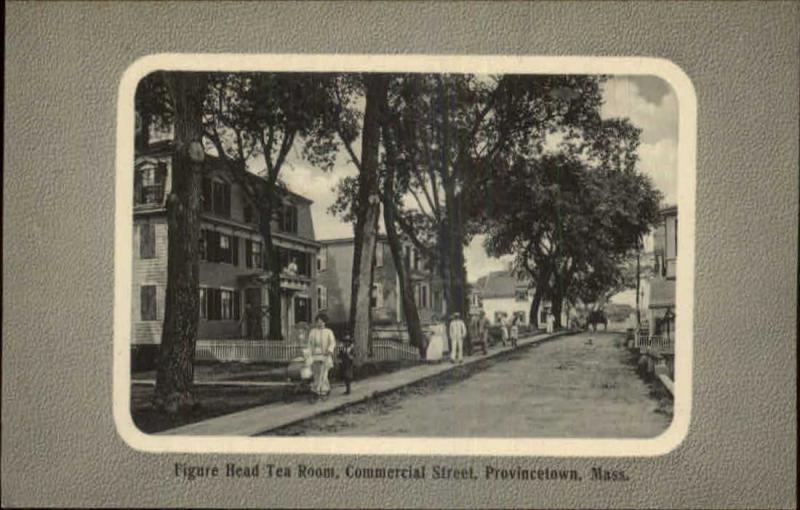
(443, 255)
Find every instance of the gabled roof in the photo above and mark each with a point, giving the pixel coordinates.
(500, 284)
(163, 147)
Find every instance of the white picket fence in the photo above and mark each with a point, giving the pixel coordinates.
(656, 344)
(252, 351)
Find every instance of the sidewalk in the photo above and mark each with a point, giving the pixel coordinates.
(261, 419)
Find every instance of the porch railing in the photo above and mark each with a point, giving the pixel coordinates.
(657, 344)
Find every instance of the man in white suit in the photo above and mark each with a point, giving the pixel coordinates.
(458, 330)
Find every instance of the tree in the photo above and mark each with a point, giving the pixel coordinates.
(175, 372)
(367, 212)
(572, 226)
(263, 114)
(391, 130)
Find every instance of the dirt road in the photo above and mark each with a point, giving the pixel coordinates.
(566, 387)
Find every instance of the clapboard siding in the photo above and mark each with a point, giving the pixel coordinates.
(152, 271)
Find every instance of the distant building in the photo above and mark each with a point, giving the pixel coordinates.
(335, 270)
(661, 287)
(502, 293)
(233, 291)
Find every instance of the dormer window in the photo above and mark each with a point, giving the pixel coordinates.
(148, 183)
(288, 219)
(216, 197)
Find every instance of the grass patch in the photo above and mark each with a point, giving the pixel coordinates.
(214, 401)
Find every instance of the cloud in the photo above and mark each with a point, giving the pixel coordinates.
(657, 119)
(660, 161)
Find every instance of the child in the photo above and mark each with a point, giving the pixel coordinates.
(347, 357)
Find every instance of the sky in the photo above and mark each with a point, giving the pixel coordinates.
(647, 101)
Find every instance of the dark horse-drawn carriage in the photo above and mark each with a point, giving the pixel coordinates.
(597, 317)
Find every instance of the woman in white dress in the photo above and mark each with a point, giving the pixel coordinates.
(435, 335)
(322, 344)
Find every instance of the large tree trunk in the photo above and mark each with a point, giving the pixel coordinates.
(535, 303)
(175, 371)
(556, 307)
(274, 271)
(458, 299)
(416, 337)
(368, 213)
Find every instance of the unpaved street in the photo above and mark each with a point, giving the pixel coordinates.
(566, 387)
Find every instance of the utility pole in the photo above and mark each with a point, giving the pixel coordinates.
(638, 277)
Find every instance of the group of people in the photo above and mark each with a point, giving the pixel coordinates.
(322, 347)
(478, 331)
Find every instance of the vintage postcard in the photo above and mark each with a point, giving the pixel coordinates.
(404, 255)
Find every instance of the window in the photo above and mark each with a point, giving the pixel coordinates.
(222, 198)
(226, 301)
(203, 245)
(302, 309)
(378, 254)
(149, 310)
(248, 214)
(222, 304)
(253, 253)
(376, 296)
(415, 259)
(407, 257)
(422, 295)
(216, 197)
(228, 250)
(520, 295)
(147, 241)
(148, 183)
(322, 259)
(322, 297)
(225, 248)
(288, 219)
(203, 303)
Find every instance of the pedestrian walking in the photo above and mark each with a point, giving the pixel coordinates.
(347, 357)
(514, 331)
(483, 332)
(458, 330)
(503, 330)
(322, 343)
(436, 340)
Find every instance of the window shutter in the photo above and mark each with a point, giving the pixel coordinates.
(236, 305)
(227, 199)
(137, 187)
(248, 256)
(148, 303)
(206, 197)
(235, 250)
(215, 247)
